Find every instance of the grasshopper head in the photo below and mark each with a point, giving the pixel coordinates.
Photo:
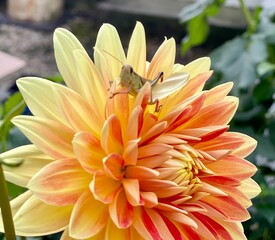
(126, 75)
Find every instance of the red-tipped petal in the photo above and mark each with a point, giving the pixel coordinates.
(111, 138)
(121, 211)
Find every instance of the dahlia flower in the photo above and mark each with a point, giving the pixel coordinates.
(105, 166)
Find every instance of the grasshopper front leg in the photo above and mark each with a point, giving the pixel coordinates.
(152, 83)
(121, 92)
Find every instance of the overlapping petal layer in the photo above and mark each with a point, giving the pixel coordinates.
(124, 166)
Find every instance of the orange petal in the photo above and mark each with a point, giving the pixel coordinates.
(153, 149)
(143, 96)
(131, 188)
(229, 207)
(215, 114)
(158, 222)
(154, 132)
(134, 123)
(121, 211)
(89, 216)
(140, 172)
(248, 146)
(153, 185)
(226, 141)
(218, 93)
(150, 199)
(114, 166)
(144, 225)
(51, 137)
(237, 168)
(60, 182)
(220, 180)
(111, 140)
(121, 110)
(88, 151)
(215, 228)
(193, 86)
(153, 161)
(188, 113)
(104, 188)
(181, 218)
(130, 153)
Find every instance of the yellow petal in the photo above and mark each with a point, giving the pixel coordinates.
(195, 67)
(169, 86)
(64, 45)
(94, 87)
(31, 220)
(78, 112)
(114, 233)
(136, 56)
(50, 137)
(41, 99)
(250, 188)
(15, 206)
(108, 43)
(89, 216)
(163, 60)
(30, 160)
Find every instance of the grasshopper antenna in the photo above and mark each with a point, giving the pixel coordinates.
(111, 55)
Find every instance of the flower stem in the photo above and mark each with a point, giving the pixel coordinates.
(5, 208)
(249, 20)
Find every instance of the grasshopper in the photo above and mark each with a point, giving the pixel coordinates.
(134, 82)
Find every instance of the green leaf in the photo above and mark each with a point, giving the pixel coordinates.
(231, 60)
(264, 68)
(198, 30)
(195, 15)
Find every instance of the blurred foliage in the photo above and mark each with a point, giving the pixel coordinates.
(12, 107)
(195, 16)
(249, 61)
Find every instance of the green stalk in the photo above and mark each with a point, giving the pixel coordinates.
(249, 20)
(5, 208)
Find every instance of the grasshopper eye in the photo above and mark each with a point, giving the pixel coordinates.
(131, 70)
